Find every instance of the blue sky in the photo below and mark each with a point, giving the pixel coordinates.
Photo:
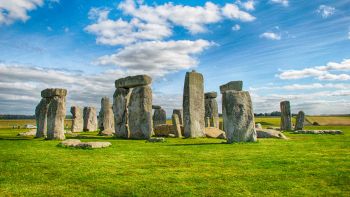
(281, 49)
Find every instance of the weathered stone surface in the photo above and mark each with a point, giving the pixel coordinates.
(164, 130)
(159, 117)
(269, 133)
(106, 117)
(286, 116)
(121, 99)
(107, 132)
(211, 112)
(300, 121)
(78, 144)
(29, 133)
(55, 118)
(258, 126)
(210, 95)
(156, 107)
(133, 81)
(90, 119)
(140, 113)
(41, 117)
(78, 121)
(193, 105)
(213, 132)
(70, 143)
(318, 132)
(176, 125)
(232, 85)
(238, 116)
(180, 114)
(51, 92)
(156, 139)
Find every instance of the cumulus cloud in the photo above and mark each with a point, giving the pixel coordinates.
(320, 72)
(282, 2)
(232, 11)
(11, 11)
(311, 86)
(271, 36)
(247, 5)
(236, 27)
(325, 11)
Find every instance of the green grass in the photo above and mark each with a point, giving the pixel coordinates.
(305, 165)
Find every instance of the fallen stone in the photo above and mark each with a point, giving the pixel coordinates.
(51, 92)
(31, 132)
(107, 132)
(318, 132)
(156, 139)
(163, 130)
(133, 81)
(210, 95)
(269, 133)
(213, 132)
(70, 143)
(78, 144)
(232, 85)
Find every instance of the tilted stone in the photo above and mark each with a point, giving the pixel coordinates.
(121, 99)
(193, 105)
(159, 117)
(300, 121)
(55, 118)
(51, 92)
(140, 113)
(77, 121)
(90, 119)
(176, 125)
(41, 117)
(209, 95)
(211, 112)
(232, 85)
(238, 117)
(156, 107)
(180, 114)
(133, 81)
(286, 116)
(106, 117)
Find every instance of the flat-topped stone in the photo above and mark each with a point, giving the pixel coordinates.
(133, 81)
(232, 85)
(51, 92)
(78, 144)
(209, 95)
(156, 107)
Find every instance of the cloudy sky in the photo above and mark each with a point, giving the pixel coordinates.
(282, 49)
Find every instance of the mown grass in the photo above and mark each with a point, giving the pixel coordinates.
(329, 120)
(305, 165)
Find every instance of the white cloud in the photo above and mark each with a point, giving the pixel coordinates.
(13, 10)
(311, 86)
(349, 35)
(320, 72)
(282, 2)
(248, 5)
(232, 11)
(325, 11)
(271, 36)
(236, 27)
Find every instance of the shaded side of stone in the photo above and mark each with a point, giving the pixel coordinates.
(159, 117)
(121, 99)
(176, 125)
(211, 112)
(286, 116)
(41, 117)
(90, 119)
(300, 121)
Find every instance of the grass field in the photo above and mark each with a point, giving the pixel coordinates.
(329, 120)
(305, 165)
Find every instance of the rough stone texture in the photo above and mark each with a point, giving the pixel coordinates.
(211, 112)
(107, 132)
(159, 117)
(156, 107)
(193, 105)
(78, 144)
(269, 133)
(78, 121)
(55, 118)
(213, 132)
(41, 117)
(133, 81)
(140, 113)
(258, 126)
(90, 119)
(238, 116)
(164, 130)
(106, 117)
(121, 99)
(300, 121)
(51, 92)
(318, 132)
(180, 114)
(70, 143)
(176, 125)
(31, 132)
(210, 95)
(286, 116)
(156, 139)
(232, 85)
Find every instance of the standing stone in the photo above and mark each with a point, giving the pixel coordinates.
(193, 105)
(179, 114)
(90, 119)
(159, 116)
(300, 121)
(238, 116)
(120, 109)
(41, 118)
(78, 121)
(106, 117)
(211, 110)
(140, 113)
(176, 125)
(286, 116)
(56, 113)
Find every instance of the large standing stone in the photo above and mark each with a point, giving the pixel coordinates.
(90, 119)
(299, 125)
(78, 121)
(55, 118)
(140, 113)
(232, 85)
(238, 116)
(211, 110)
(286, 116)
(159, 117)
(133, 81)
(176, 125)
(180, 114)
(41, 117)
(193, 105)
(106, 117)
(120, 109)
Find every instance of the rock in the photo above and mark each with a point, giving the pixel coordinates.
(176, 125)
(107, 132)
(133, 81)
(140, 113)
(90, 119)
(78, 144)
(156, 107)
(238, 117)
(55, 117)
(159, 117)
(31, 132)
(286, 116)
(41, 117)
(51, 92)
(180, 114)
(268, 133)
(258, 126)
(300, 121)
(211, 112)
(70, 143)
(106, 117)
(156, 139)
(193, 105)
(210, 95)
(318, 132)
(232, 85)
(171, 135)
(213, 132)
(163, 130)
(78, 121)
(121, 99)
